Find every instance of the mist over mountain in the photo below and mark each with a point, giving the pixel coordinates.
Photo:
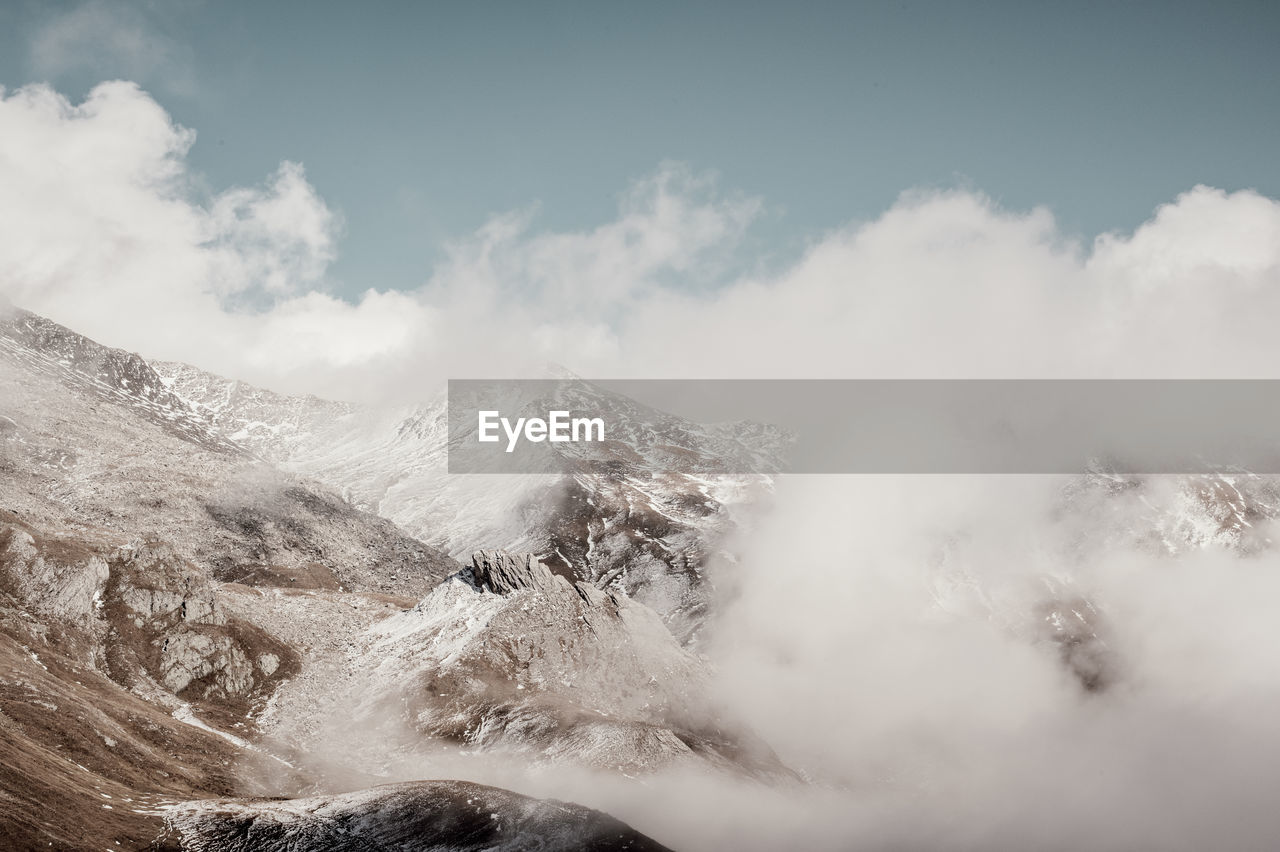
(293, 556)
(173, 581)
(252, 594)
(643, 527)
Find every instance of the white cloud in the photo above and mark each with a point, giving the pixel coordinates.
(279, 238)
(110, 39)
(95, 217)
(104, 231)
(882, 636)
(941, 285)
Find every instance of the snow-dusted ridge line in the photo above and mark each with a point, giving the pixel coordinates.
(647, 535)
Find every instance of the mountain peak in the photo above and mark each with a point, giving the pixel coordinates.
(502, 572)
(115, 375)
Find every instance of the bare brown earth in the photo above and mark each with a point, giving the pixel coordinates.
(85, 758)
(84, 763)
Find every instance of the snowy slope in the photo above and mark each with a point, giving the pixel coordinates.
(422, 816)
(649, 535)
(147, 567)
(506, 656)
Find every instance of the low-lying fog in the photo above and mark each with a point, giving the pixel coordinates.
(886, 635)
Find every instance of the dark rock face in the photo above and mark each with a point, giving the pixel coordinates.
(502, 573)
(1075, 627)
(440, 816)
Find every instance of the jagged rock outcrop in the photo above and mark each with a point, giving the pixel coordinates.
(73, 738)
(645, 518)
(72, 741)
(189, 656)
(508, 656)
(422, 816)
(160, 588)
(62, 582)
(502, 573)
(141, 612)
(168, 625)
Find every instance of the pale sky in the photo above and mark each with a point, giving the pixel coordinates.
(418, 121)
(362, 199)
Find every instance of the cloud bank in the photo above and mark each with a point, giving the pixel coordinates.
(108, 231)
(116, 37)
(884, 636)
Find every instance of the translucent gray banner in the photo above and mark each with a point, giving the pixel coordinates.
(651, 427)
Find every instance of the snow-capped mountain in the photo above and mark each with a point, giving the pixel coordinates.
(131, 534)
(507, 657)
(641, 525)
(93, 442)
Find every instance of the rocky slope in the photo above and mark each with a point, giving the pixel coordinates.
(509, 657)
(648, 534)
(144, 617)
(92, 443)
(182, 621)
(97, 676)
(130, 679)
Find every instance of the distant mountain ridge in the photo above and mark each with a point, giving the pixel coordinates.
(112, 374)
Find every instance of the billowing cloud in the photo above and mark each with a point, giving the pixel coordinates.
(943, 284)
(884, 635)
(106, 231)
(112, 37)
(279, 238)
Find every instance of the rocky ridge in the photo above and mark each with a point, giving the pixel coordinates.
(630, 518)
(161, 587)
(507, 656)
(93, 444)
(440, 816)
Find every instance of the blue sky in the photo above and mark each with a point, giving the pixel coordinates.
(418, 121)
